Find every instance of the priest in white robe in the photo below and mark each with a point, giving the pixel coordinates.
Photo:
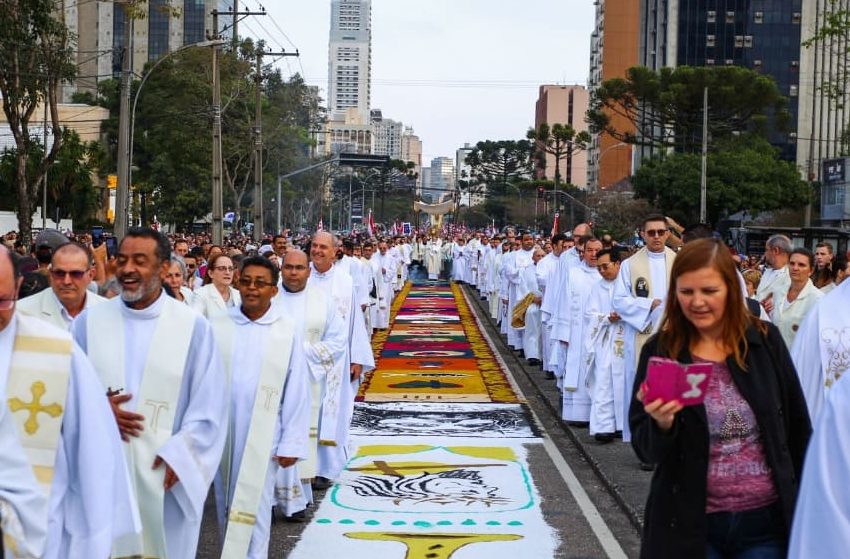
(164, 372)
(494, 266)
(324, 344)
(821, 349)
(64, 490)
(269, 408)
(531, 334)
(639, 296)
(605, 352)
(514, 268)
(459, 265)
(570, 331)
(359, 359)
(383, 270)
(434, 256)
(546, 269)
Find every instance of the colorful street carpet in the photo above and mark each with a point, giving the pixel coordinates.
(438, 466)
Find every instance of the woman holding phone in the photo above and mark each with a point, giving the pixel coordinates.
(727, 469)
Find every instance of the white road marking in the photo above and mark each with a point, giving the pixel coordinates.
(603, 533)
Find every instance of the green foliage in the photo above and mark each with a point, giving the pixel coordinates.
(666, 107)
(36, 55)
(559, 141)
(743, 174)
(499, 165)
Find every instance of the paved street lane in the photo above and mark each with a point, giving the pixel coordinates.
(447, 457)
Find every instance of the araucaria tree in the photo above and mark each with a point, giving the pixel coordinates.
(561, 141)
(36, 56)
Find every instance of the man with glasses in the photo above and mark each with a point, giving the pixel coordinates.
(269, 407)
(639, 296)
(63, 488)
(71, 271)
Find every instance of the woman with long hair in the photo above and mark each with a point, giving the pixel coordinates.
(217, 294)
(792, 304)
(727, 469)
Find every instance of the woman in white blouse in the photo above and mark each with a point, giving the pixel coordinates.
(792, 304)
(176, 280)
(217, 296)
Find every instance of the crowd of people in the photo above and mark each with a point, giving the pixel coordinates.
(163, 322)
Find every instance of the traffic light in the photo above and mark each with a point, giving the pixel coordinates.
(541, 192)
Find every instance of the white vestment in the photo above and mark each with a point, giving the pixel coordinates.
(459, 266)
(635, 312)
(772, 280)
(199, 428)
(605, 356)
(822, 515)
(46, 306)
(545, 268)
(471, 253)
(788, 316)
(821, 350)
(531, 341)
(494, 267)
(209, 302)
(434, 258)
(514, 266)
(382, 271)
(555, 306)
(338, 286)
(290, 396)
(90, 501)
(325, 353)
(573, 376)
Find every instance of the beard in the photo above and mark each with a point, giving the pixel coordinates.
(145, 288)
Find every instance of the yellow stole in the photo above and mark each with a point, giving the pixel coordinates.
(37, 388)
(639, 270)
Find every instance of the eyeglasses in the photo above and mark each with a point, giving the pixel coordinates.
(259, 283)
(655, 232)
(7, 304)
(224, 268)
(60, 274)
(192, 266)
(297, 267)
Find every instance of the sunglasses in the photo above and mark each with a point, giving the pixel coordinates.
(61, 274)
(259, 283)
(655, 232)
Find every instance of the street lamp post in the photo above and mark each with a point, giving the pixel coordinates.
(601, 155)
(132, 123)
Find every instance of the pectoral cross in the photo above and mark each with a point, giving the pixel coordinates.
(34, 407)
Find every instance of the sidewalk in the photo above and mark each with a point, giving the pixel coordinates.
(614, 463)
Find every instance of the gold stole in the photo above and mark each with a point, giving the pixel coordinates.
(37, 388)
(157, 399)
(639, 269)
(315, 325)
(259, 444)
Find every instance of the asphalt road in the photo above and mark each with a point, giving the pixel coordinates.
(591, 494)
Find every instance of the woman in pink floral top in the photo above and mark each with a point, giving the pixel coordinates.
(728, 469)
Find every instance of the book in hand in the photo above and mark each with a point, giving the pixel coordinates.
(670, 380)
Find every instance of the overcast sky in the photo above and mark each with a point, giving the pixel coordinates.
(456, 70)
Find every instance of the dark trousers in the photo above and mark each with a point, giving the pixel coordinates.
(752, 534)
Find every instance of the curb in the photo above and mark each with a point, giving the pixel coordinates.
(634, 515)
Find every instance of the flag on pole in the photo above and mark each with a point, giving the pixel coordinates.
(321, 226)
(555, 225)
(370, 224)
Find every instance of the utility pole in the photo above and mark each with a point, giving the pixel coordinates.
(235, 13)
(122, 191)
(44, 194)
(259, 228)
(703, 214)
(217, 201)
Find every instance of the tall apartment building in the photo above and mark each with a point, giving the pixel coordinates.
(442, 183)
(411, 150)
(350, 57)
(99, 27)
(386, 135)
(563, 104)
(345, 133)
(763, 35)
(476, 195)
(613, 49)
(424, 183)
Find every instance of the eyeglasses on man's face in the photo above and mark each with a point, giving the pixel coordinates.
(60, 275)
(655, 232)
(259, 283)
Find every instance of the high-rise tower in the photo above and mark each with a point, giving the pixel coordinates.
(350, 58)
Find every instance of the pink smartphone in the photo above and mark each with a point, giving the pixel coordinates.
(670, 380)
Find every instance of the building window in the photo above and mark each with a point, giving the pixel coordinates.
(711, 16)
(730, 17)
(792, 91)
(709, 40)
(709, 62)
(748, 41)
(795, 64)
(739, 41)
(730, 62)
(796, 18)
(758, 17)
(757, 63)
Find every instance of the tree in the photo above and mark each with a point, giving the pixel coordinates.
(666, 107)
(498, 164)
(746, 174)
(618, 213)
(560, 141)
(36, 56)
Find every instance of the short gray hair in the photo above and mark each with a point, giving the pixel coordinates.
(177, 259)
(779, 242)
